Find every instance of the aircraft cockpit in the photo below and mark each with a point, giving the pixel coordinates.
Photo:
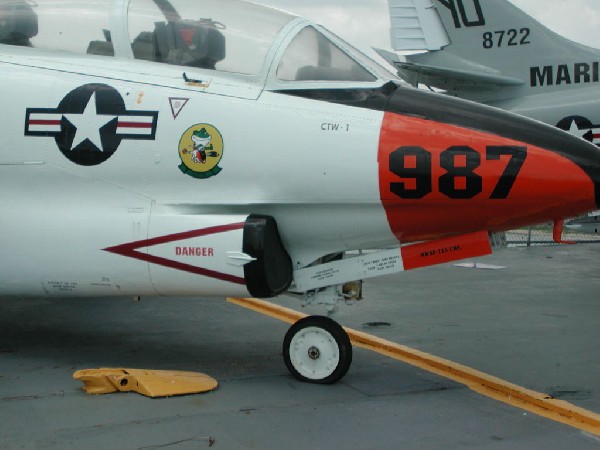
(241, 39)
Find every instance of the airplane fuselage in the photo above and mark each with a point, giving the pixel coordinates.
(277, 157)
(120, 176)
(149, 151)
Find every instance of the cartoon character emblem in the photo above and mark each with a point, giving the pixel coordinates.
(201, 150)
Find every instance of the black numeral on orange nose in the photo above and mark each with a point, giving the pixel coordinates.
(414, 165)
(508, 178)
(411, 163)
(455, 170)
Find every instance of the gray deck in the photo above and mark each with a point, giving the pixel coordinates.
(535, 323)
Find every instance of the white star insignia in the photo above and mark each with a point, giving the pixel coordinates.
(88, 124)
(575, 131)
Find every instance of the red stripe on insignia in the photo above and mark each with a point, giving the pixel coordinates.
(130, 250)
(134, 125)
(44, 122)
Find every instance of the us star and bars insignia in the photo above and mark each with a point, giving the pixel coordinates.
(581, 127)
(89, 124)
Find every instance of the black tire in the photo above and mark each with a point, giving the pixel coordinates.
(317, 350)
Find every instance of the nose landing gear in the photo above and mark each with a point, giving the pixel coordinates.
(316, 349)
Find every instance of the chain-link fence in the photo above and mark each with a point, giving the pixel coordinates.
(581, 230)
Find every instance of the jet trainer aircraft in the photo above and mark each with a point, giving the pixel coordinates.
(220, 148)
(492, 52)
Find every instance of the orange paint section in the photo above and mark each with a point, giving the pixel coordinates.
(445, 250)
(435, 162)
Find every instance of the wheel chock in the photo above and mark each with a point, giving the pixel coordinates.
(151, 383)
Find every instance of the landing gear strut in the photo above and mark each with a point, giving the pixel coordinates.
(316, 349)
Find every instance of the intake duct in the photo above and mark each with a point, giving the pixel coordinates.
(271, 273)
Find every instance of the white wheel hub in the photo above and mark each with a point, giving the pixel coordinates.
(314, 353)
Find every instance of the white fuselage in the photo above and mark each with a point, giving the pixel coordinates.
(313, 169)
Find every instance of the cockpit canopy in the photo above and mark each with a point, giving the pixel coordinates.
(208, 34)
(225, 35)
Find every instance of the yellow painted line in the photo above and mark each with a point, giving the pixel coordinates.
(488, 385)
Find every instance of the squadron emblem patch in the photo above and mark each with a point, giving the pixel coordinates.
(201, 150)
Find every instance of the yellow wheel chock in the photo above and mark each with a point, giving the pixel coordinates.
(151, 383)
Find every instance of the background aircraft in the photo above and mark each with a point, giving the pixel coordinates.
(148, 150)
(366, 24)
(588, 224)
(492, 52)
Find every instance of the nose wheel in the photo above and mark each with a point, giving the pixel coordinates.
(316, 349)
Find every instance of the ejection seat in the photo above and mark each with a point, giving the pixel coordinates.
(195, 44)
(18, 23)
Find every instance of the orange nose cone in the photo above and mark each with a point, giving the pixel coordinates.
(451, 166)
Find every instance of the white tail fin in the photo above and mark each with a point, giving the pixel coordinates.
(416, 25)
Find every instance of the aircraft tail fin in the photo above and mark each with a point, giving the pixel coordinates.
(416, 25)
(486, 44)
